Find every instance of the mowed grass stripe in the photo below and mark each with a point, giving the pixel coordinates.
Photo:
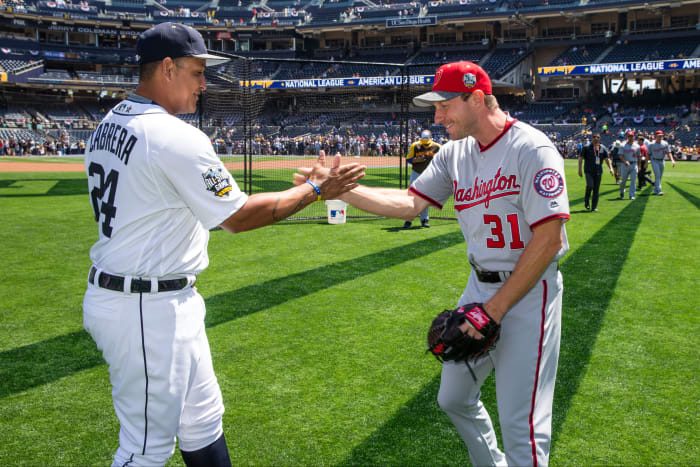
(335, 373)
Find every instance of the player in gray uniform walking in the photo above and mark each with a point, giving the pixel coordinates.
(507, 181)
(629, 155)
(157, 188)
(658, 150)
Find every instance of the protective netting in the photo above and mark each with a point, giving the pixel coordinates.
(268, 117)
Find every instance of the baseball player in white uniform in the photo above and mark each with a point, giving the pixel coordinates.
(157, 188)
(507, 181)
(629, 154)
(658, 150)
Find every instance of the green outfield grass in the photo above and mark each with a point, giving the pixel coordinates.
(318, 334)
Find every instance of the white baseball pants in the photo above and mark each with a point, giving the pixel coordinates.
(525, 363)
(163, 382)
(658, 167)
(631, 172)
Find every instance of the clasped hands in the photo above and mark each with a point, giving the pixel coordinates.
(333, 181)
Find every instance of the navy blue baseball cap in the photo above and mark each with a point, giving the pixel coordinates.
(173, 40)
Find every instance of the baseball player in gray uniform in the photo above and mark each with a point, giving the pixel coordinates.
(157, 188)
(658, 150)
(507, 181)
(629, 155)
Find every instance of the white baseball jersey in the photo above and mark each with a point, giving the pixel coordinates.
(630, 152)
(500, 191)
(658, 151)
(156, 187)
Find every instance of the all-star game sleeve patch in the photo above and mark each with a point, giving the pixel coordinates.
(549, 183)
(217, 181)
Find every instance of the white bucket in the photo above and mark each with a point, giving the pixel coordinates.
(336, 211)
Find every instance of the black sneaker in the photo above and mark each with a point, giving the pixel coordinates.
(425, 224)
(588, 208)
(407, 225)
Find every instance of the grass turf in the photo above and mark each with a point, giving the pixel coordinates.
(317, 333)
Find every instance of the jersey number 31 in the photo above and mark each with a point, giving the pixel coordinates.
(107, 185)
(498, 240)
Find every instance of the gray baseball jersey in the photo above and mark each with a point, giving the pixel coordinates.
(658, 151)
(142, 181)
(500, 191)
(630, 152)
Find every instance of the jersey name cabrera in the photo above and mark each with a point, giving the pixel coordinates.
(156, 188)
(500, 191)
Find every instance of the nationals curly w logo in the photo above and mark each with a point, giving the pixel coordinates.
(549, 183)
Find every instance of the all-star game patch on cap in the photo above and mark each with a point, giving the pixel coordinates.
(173, 40)
(454, 79)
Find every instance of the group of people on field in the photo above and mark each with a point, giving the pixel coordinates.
(630, 159)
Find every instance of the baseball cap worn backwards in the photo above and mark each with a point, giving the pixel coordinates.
(454, 79)
(173, 40)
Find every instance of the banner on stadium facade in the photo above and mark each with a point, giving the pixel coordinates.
(91, 30)
(336, 82)
(403, 22)
(626, 67)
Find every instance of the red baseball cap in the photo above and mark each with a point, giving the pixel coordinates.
(659, 132)
(630, 133)
(454, 79)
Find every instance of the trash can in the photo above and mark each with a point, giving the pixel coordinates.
(336, 211)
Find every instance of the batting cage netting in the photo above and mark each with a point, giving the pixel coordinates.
(267, 117)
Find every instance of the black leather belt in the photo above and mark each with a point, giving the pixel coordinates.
(116, 283)
(491, 276)
(494, 276)
(488, 276)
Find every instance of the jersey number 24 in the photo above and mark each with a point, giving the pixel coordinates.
(107, 185)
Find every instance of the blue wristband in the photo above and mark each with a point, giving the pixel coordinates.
(316, 189)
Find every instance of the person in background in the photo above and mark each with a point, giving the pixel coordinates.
(420, 154)
(658, 150)
(643, 172)
(629, 156)
(592, 157)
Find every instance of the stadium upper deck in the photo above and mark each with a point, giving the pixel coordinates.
(66, 47)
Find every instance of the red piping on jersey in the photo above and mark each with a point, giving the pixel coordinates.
(509, 123)
(462, 207)
(427, 198)
(561, 215)
(537, 375)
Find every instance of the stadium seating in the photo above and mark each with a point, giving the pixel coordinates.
(12, 65)
(629, 50)
(580, 54)
(20, 134)
(460, 8)
(11, 112)
(501, 60)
